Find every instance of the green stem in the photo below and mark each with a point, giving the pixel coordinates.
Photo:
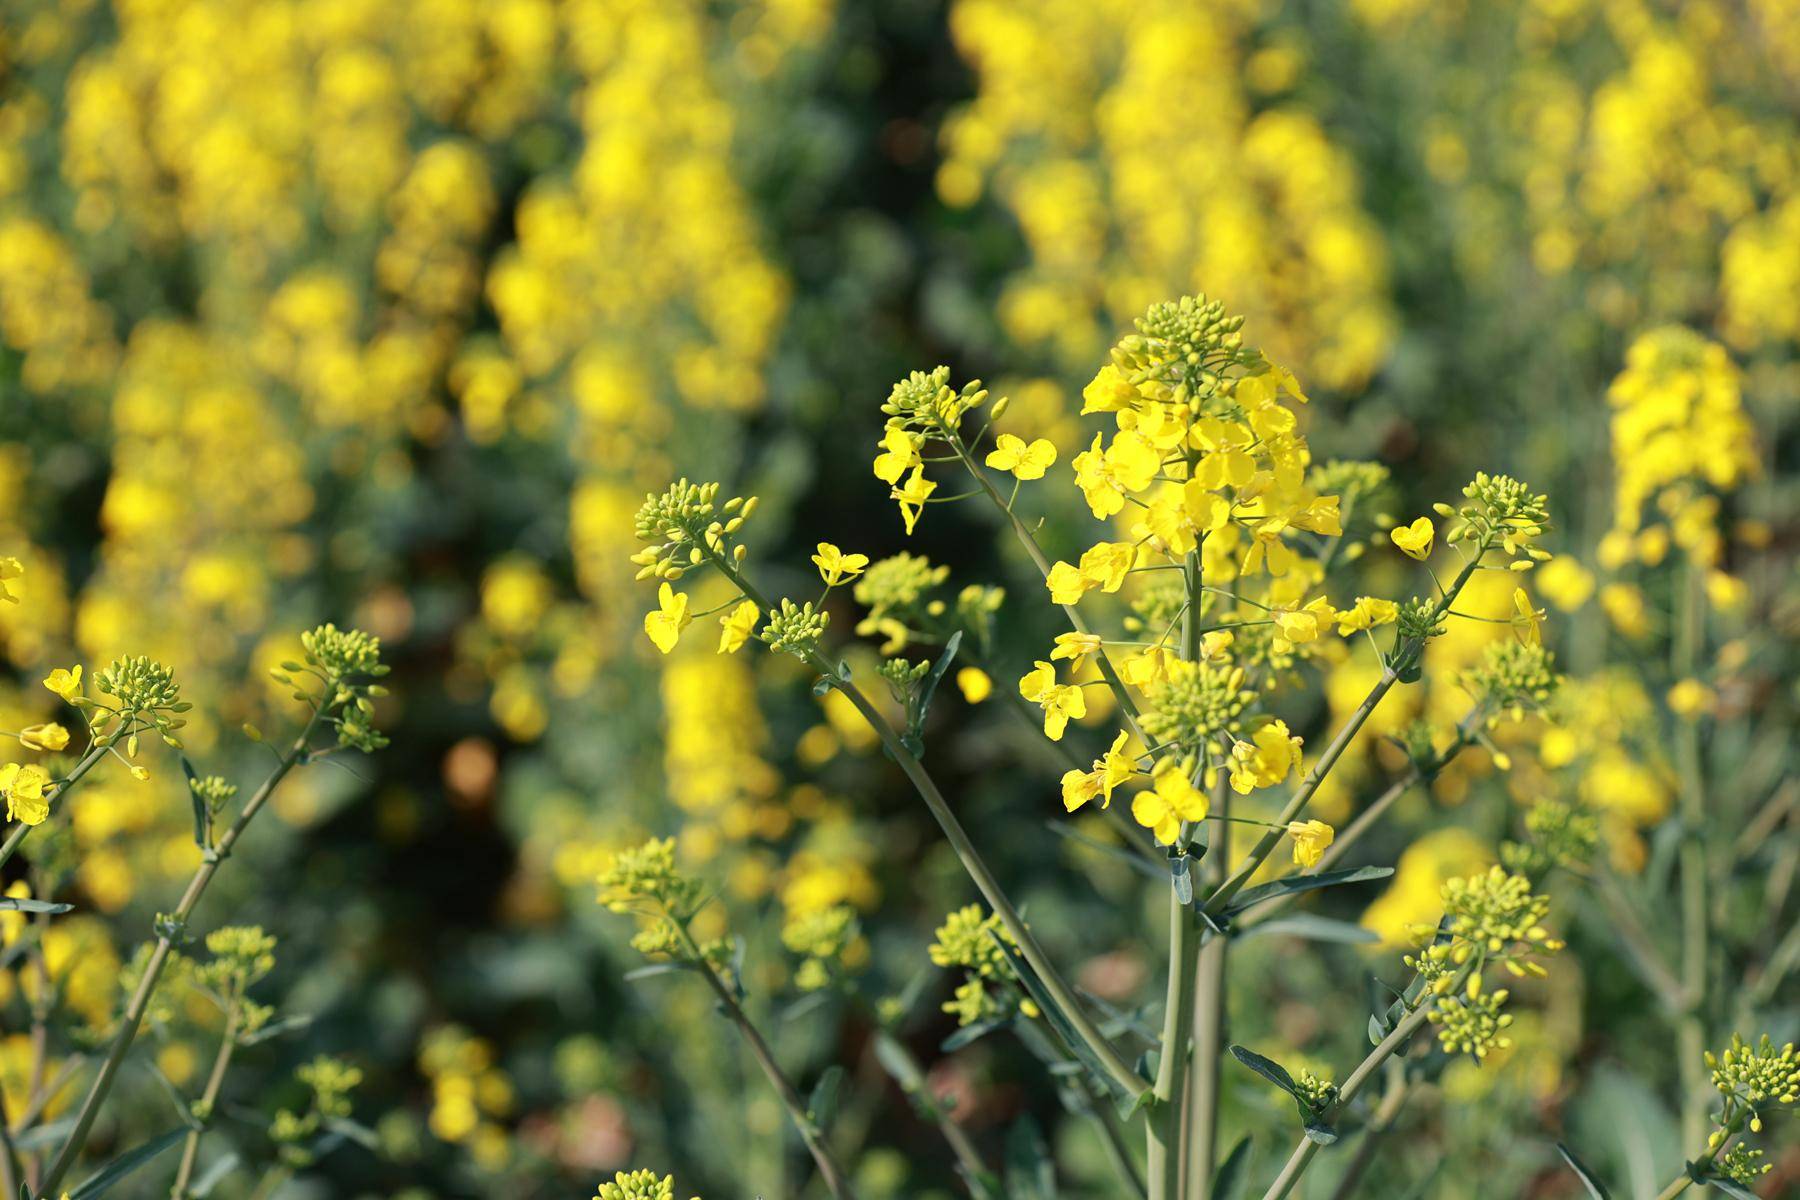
(1265, 845)
(1209, 1022)
(1390, 1045)
(1116, 1068)
(133, 1016)
(209, 1099)
(835, 1180)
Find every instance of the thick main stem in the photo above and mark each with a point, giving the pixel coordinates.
(1166, 1115)
(133, 1016)
(1209, 1020)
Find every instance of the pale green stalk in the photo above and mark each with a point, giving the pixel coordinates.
(836, 1182)
(1116, 1068)
(1265, 845)
(133, 1016)
(209, 1100)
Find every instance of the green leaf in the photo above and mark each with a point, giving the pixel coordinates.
(1314, 928)
(291, 1024)
(928, 688)
(1180, 877)
(354, 1131)
(1378, 1030)
(1268, 1068)
(653, 970)
(1059, 1020)
(1144, 866)
(183, 1109)
(972, 1033)
(1595, 1190)
(1229, 1180)
(18, 904)
(187, 768)
(39, 1137)
(103, 1179)
(1251, 897)
(805, 1004)
(214, 1175)
(1320, 1132)
(821, 1106)
(1730, 1187)
(1030, 1175)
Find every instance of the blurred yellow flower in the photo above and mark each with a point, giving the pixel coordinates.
(23, 787)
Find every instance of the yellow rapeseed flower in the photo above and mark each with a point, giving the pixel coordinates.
(65, 683)
(1415, 539)
(736, 626)
(665, 623)
(1310, 840)
(24, 787)
(10, 568)
(1170, 800)
(1011, 453)
(1060, 701)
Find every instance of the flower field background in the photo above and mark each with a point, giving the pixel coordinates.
(390, 315)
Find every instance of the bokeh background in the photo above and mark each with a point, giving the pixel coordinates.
(390, 313)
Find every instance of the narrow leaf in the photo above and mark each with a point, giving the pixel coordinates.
(653, 970)
(928, 688)
(971, 1033)
(183, 1109)
(821, 1106)
(1229, 1180)
(1029, 1173)
(213, 1176)
(1137, 862)
(1181, 878)
(1318, 1131)
(1059, 1020)
(102, 1180)
(1595, 1190)
(1314, 928)
(291, 1024)
(1251, 897)
(354, 1131)
(21, 904)
(1268, 1068)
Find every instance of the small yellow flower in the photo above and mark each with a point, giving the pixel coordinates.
(50, 736)
(1010, 453)
(736, 626)
(1060, 701)
(1690, 699)
(665, 624)
(1265, 760)
(65, 683)
(912, 497)
(1171, 800)
(974, 684)
(24, 787)
(1415, 539)
(141, 774)
(1300, 625)
(1527, 621)
(835, 566)
(10, 568)
(900, 455)
(1067, 583)
(1075, 647)
(1310, 840)
(1366, 613)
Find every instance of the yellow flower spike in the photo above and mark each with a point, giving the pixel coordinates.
(736, 626)
(65, 682)
(974, 684)
(912, 496)
(1415, 540)
(1310, 840)
(1109, 391)
(665, 624)
(835, 566)
(1527, 621)
(1171, 799)
(1011, 453)
(50, 736)
(10, 568)
(23, 787)
(900, 454)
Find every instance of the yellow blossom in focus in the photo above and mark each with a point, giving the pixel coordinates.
(835, 566)
(1265, 760)
(1011, 453)
(65, 682)
(1415, 539)
(665, 623)
(23, 787)
(1310, 839)
(736, 626)
(1171, 799)
(1060, 701)
(912, 496)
